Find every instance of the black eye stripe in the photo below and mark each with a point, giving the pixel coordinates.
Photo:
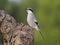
(31, 10)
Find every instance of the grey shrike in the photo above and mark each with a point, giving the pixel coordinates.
(32, 20)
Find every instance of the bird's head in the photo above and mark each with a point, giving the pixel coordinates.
(29, 10)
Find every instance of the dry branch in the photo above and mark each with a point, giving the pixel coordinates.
(15, 33)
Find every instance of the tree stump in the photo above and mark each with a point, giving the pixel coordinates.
(15, 33)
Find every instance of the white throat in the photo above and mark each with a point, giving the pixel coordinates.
(29, 12)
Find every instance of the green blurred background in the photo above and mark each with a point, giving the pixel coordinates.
(47, 13)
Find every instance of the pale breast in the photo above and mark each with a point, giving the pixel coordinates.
(30, 21)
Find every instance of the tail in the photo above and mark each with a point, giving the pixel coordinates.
(41, 35)
(40, 32)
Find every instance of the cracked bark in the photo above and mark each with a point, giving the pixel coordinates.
(15, 33)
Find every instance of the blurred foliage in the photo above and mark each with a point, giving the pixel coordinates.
(47, 13)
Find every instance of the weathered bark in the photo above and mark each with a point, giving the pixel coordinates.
(15, 33)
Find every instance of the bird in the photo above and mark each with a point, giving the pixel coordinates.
(32, 21)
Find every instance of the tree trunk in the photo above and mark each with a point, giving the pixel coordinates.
(15, 33)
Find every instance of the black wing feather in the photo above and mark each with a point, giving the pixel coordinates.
(37, 24)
